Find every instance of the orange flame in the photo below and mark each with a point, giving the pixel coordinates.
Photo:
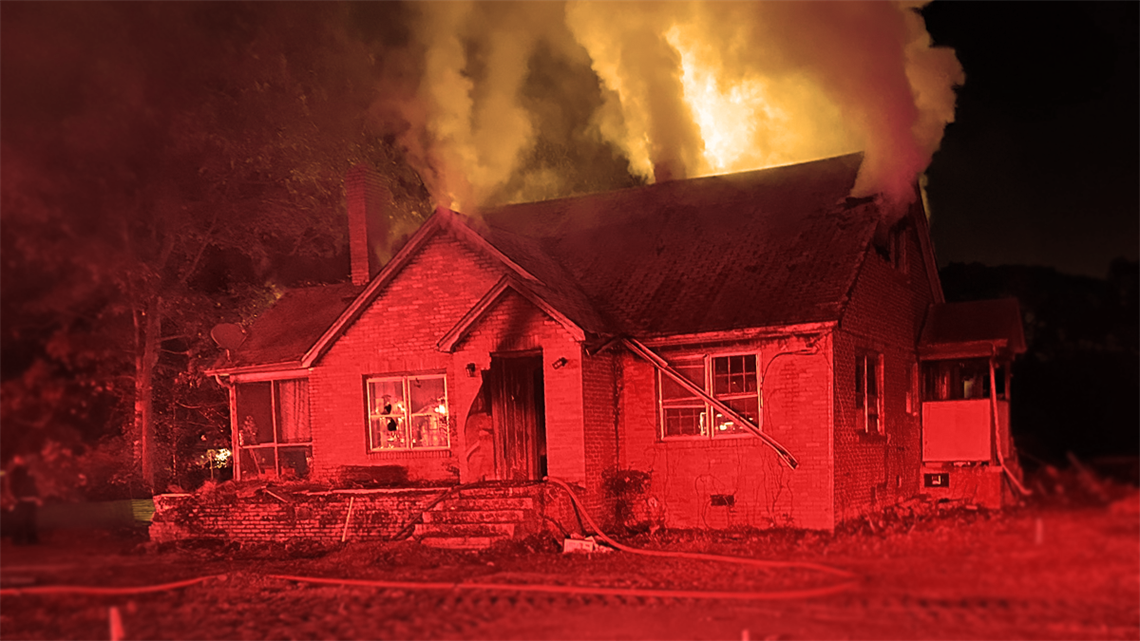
(688, 89)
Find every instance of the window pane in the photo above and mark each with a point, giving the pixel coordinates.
(872, 374)
(247, 466)
(255, 413)
(293, 411)
(294, 462)
(691, 370)
(427, 395)
(734, 374)
(260, 462)
(956, 380)
(749, 407)
(429, 430)
(751, 382)
(387, 432)
(684, 421)
(386, 396)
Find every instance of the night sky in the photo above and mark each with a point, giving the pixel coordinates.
(1041, 166)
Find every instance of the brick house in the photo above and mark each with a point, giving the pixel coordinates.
(769, 350)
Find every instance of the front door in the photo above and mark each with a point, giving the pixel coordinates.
(519, 417)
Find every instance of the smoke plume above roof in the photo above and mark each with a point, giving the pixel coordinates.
(527, 101)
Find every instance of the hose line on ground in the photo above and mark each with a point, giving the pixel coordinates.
(819, 567)
(104, 591)
(777, 595)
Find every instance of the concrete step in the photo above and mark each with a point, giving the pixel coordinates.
(499, 491)
(485, 504)
(477, 516)
(461, 542)
(466, 529)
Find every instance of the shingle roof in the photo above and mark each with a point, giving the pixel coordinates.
(283, 333)
(764, 248)
(769, 247)
(985, 321)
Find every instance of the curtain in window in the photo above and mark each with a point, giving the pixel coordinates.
(293, 411)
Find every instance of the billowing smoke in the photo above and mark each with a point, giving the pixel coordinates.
(534, 100)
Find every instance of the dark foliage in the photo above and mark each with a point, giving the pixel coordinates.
(1075, 389)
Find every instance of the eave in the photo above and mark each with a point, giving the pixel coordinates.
(456, 334)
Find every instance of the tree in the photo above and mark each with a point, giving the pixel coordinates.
(154, 179)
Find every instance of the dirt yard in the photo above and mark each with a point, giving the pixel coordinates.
(1055, 572)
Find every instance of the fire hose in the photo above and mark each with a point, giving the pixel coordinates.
(746, 595)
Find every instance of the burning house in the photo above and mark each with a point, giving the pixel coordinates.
(762, 348)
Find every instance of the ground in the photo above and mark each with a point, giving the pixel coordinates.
(1040, 572)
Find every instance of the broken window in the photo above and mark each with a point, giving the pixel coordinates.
(868, 399)
(731, 379)
(407, 412)
(274, 437)
(959, 379)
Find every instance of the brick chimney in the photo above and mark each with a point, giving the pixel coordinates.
(368, 200)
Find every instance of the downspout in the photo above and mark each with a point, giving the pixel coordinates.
(997, 428)
(663, 366)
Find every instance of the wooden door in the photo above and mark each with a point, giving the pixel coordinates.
(518, 416)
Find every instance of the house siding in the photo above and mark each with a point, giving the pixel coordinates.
(601, 388)
(397, 334)
(686, 473)
(514, 324)
(885, 314)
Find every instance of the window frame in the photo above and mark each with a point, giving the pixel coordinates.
(406, 415)
(275, 446)
(707, 411)
(865, 409)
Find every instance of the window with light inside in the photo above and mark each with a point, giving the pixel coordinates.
(868, 399)
(731, 379)
(273, 433)
(407, 413)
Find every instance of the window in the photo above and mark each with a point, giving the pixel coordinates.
(407, 412)
(957, 380)
(868, 399)
(912, 391)
(730, 379)
(274, 438)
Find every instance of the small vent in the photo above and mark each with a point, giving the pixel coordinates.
(723, 500)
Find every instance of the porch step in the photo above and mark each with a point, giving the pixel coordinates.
(460, 542)
(484, 515)
(496, 528)
(499, 491)
(463, 503)
(476, 517)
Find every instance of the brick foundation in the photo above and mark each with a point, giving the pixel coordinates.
(377, 515)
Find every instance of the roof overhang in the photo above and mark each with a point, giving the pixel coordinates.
(443, 219)
(969, 349)
(260, 372)
(456, 334)
(972, 329)
(737, 335)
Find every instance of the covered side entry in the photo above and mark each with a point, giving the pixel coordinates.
(965, 352)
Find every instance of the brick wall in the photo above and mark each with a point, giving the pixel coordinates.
(398, 335)
(686, 473)
(514, 324)
(601, 380)
(311, 516)
(885, 314)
